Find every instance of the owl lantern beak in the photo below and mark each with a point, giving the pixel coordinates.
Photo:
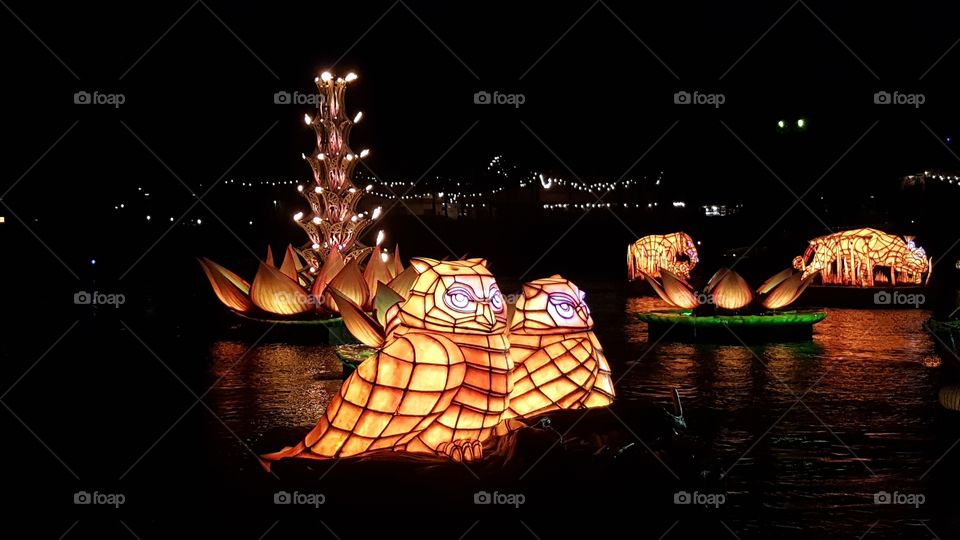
(484, 310)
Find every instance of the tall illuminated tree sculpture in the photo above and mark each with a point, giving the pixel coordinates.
(333, 222)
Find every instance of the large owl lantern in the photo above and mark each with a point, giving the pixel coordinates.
(440, 380)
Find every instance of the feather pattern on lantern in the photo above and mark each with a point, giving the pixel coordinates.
(558, 361)
(440, 381)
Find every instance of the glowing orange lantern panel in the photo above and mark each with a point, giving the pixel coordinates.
(863, 258)
(559, 362)
(674, 252)
(439, 382)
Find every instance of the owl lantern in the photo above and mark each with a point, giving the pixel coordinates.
(558, 362)
(439, 382)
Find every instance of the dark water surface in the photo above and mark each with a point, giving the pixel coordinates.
(789, 438)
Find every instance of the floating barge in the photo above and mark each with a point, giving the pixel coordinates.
(771, 327)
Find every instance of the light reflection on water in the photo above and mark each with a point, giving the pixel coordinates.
(785, 426)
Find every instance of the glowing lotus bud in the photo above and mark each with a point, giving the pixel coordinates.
(307, 119)
(380, 237)
(369, 187)
(349, 157)
(351, 77)
(365, 152)
(731, 291)
(300, 188)
(318, 189)
(320, 156)
(358, 117)
(315, 246)
(326, 76)
(298, 216)
(313, 270)
(384, 256)
(317, 220)
(376, 212)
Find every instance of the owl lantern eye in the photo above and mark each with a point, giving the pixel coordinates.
(563, 304)
(459, 299)
(496, 300)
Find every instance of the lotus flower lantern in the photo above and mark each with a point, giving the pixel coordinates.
(728, 291)
(333, 252)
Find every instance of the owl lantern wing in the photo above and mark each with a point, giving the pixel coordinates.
(389, 399)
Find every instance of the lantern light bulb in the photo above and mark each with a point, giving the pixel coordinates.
(351, 77)
(312, 270)
(318, 189)
(358, 117)
(306, 119)
(349, 157)
(369, 187)
(384, 256)
(365, 152)
(317, 220)
(376, 212)
(300, 188)
(326, 76)
(298, 216)
(320, 156)
(380, 237)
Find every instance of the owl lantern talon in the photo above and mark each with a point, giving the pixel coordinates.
(463, 450)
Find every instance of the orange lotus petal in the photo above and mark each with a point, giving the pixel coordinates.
(331, 267)
(657, 288)
(361, 325)
(783, 293)
(404, 281)
(775, 280)
(230, 288)
(384, 300)
(731, 291)
(681, 294)
(349, 282)
(270, 261)
(275, 293)
(375, 272)
(397, 263)
(291, 264)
